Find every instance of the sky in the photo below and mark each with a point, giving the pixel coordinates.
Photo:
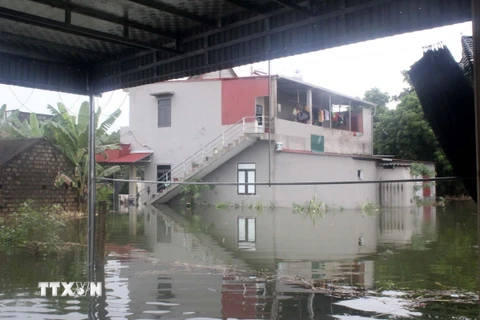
(351, 69)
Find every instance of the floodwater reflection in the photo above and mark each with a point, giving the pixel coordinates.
(173, 263)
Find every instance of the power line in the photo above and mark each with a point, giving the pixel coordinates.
(291, 183)
(64, 112)
(26, 101)
(108, 101)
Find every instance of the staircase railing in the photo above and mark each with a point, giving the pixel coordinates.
(191, 164)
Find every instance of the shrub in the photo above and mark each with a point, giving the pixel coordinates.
(33, 229)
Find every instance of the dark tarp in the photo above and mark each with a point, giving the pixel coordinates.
(447, 100)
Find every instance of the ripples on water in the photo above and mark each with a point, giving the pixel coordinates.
(240, 264)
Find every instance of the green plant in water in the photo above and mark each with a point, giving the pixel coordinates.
(370, 208)
(191, 192)
(32, 228)
(223, 205)
(311, 208)
(257, 206)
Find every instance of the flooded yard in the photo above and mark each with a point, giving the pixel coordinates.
(169, 263)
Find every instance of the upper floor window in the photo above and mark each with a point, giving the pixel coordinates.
(246, 178)
(164, 112)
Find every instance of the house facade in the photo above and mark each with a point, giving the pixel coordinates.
(227, 130)
(28, 169)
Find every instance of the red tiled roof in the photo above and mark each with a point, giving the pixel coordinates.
(121, 156)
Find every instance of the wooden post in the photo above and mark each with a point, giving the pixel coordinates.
(476, 69)
(101, 235)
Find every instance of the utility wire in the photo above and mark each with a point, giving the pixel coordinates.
(26, 101)
(291, 183)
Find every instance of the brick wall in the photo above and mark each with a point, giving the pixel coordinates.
(31, 175)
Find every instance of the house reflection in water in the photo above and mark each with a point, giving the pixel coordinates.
(238, 263)
(397, 227)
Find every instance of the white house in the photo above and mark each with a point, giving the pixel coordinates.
(223, 128)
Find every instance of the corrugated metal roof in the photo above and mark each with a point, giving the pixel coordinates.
(9, 148)
(83, 46)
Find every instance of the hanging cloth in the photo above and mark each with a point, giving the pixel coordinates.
(327, 115)
(320, 116)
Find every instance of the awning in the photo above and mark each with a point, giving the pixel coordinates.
(122, 156)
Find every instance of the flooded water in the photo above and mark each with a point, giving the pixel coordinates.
(243, 264)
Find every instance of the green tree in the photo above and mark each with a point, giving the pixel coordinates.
(405, 133)
(381, 99)
(70, 134)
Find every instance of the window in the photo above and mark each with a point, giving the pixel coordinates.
(246, 176)
(246, 234)
(164, 112)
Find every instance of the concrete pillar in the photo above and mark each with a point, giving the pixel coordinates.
(273, 98)
(273, 104)
(132, 186)
(309, 105)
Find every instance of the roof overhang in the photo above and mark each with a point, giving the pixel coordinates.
(284, 82)
(123, 156)
(90, 47)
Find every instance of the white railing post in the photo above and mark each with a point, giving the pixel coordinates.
(184, 170)
(223, 139)
(243, 121)
(203, 154)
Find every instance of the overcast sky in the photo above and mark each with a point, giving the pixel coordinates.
(351, 69)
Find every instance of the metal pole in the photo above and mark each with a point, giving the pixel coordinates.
(270, 108)
(114, 205)
(330, 109)
(350, 117)
(91, 192)
(476, 68)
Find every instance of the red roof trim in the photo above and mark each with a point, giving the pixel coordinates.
(130, 158)
(121, 156)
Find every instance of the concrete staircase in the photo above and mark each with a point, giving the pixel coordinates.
(221, 149)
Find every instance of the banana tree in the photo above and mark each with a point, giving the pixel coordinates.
(26, 129)
(70, 134)
(3, 122)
